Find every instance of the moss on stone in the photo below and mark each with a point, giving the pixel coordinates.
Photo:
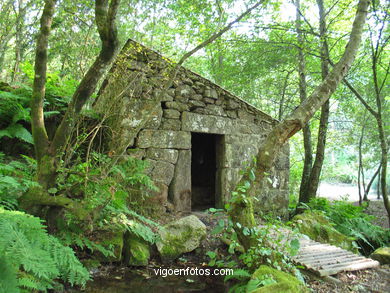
(382, 255)
(319, 228)
(181, 236)
(285, 283)
(135, 250)
(110, 239)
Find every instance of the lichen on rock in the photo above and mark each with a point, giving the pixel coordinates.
(181, 236)
(382, 255)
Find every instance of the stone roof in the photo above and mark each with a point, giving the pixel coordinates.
(188, 71)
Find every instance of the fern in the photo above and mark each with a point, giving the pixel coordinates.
(15, 179)
(33, 259)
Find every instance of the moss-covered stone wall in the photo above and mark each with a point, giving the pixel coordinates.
(133, 93)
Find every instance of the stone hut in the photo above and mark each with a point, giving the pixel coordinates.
(195, 135)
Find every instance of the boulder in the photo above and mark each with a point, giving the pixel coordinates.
(109, 239)
(136, 251)
(382, 255)
(282, 282)
(180, 236)
(319, 228)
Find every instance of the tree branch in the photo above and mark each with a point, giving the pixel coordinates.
(105, 15)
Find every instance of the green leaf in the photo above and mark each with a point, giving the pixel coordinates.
(52, 190)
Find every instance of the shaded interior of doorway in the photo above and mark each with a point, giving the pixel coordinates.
(204, 161)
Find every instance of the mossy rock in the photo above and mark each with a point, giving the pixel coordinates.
(285, 283)
(317, 227)
(382, 255)
(181, 236)
(109, 239)
(136, 251)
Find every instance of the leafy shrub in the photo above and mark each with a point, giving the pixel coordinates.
(13, 111)
(352, 221)
(30, 259)
(103, 188)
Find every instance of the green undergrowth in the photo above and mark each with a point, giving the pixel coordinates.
(352, 221)
(33, 260)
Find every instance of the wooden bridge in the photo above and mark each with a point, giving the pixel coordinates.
(326, 260)
(323, 259)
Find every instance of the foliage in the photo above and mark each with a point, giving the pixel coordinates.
(102, 187)
(352, 221)
(268, 246)
(33, 260)
(15, 179)
(13, 116)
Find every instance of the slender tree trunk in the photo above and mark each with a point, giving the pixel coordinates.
(360, 169)
(367, 190)
(45, 159)
(241, 209)
(308, 156)
(315, 173)
(19, 26)
(382, 137)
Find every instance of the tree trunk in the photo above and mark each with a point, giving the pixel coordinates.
(19, 26)
(308, 157)
(367, 190)
(45, 159)
(314, 179)
(241, 209)
(360, 169)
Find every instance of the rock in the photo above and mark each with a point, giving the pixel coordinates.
(231, 104)
(180, 188)
(197, 104)
(197, 97)
(167, 155)
(136, 251)
(208, 100)
(112, 238)
(184, 91)
(177, 106)
(211, 93)
(215, 110)
(317, 227)
(284, 283)
(207, 123)
(164, 139)
(171, 114)
(181, 236)
(155, 119)
(382, 255)
(170, 124)
(160, 171)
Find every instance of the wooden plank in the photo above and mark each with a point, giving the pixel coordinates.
(335, 254)
(356, 267)
(327, 258)
(350, 264)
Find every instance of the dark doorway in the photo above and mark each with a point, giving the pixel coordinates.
(204, 161)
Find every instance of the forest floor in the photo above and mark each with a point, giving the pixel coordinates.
(376, 208)
(375, 280)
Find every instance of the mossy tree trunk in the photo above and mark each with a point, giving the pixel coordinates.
(243, 210)
(48, 152)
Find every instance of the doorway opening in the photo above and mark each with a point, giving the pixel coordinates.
(204, 166)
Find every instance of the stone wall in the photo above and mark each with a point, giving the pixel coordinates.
(133, 90)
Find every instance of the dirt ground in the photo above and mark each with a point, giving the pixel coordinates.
(377, 209)
(371, 280)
